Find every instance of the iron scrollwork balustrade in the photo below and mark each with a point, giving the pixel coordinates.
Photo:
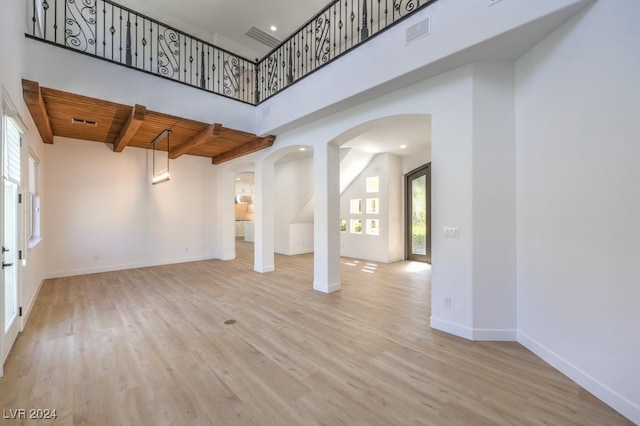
(114, 33)
(169, 53)
(80, 21)
(336, 29)
(104, 29)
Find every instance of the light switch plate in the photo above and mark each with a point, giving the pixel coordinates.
(452, 233)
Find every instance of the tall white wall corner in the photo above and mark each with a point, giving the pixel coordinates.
(494, 202)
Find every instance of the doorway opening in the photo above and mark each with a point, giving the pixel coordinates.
(244, 214)
(418, 214)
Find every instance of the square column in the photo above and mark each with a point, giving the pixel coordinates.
(264, 260)
(326, 219)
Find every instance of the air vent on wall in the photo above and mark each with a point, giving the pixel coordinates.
(421, 29)
(263, 37)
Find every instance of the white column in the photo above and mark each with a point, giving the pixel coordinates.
(226, 229)
(326, 220)
(264, 224)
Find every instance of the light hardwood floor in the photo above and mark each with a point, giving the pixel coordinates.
(150, 347)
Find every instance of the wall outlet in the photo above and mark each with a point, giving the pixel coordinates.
(447, 302)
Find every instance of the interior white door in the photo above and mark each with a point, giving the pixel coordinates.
(10, 267)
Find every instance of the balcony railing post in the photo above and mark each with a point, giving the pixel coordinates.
(364, 33)
(290, 66)
(257, 82)
(128, 57)
(203, 83)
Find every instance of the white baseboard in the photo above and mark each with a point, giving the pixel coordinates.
(601, 391)
(452, 328)
(265, 269)
(327, 288)
(476, 334)
(299, 251)
(111, 268)
(28, 307)
(495, 335)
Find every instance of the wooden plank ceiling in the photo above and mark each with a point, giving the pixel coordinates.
(58, 113)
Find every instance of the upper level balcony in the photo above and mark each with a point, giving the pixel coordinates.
(117, 34)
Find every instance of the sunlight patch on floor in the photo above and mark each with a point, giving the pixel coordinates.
(367, 267)
(417, 267)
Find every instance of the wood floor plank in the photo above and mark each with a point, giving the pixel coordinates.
(150, 346)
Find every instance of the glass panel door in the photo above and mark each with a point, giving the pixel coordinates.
(10, 266)
(418, 217)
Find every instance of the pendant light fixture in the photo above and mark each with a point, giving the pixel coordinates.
(161, 174)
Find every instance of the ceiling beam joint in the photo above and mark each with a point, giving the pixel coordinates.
(208, 134)
(255, 145)
(130, 128)
(37, 108)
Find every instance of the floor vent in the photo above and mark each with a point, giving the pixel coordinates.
(263, 37)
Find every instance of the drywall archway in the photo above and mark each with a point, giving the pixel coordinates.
(266, 203)
(225, 190)
(381, 150)
(327, 172)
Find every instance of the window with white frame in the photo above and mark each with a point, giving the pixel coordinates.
(33, 201)
(373, 184)
(355, 206)
(372, 205)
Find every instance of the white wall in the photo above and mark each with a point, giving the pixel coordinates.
(412, 162)
(395, 214)
(383, 247)
(494, 202)
(294, 183)
(102, 213)
(364, 74)
(578, 204)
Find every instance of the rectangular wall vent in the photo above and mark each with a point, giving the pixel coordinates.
(421, 29)
(263, 37)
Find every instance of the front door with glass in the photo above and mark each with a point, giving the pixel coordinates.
(418, 214)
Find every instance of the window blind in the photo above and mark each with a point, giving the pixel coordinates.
(11, 166)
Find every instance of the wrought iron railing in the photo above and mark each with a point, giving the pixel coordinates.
(336, 29)
(104, 29)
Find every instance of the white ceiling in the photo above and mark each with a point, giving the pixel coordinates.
(225, 22)
(392, 133)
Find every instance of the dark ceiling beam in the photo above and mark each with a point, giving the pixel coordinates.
(248, 148)
(130, 128)
(35, 102)
(206, 135)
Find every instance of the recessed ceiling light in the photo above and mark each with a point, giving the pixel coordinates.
(403, 146)
(273, 28)
(237, 178)
(303, 149)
